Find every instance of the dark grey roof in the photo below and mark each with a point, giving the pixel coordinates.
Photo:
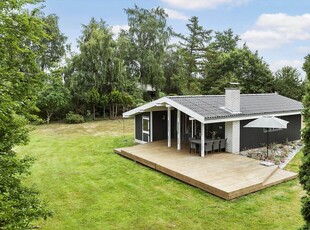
(209, 106)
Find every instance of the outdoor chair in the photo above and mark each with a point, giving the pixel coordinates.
(223, 144)
(208, 146)
(216, 145)
(192, 146)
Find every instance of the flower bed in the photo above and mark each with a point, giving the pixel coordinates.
(279, 154)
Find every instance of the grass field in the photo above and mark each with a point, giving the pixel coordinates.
(90, 187)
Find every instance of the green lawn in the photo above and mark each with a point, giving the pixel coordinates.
(90, 187)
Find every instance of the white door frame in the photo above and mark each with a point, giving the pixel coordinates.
(146, 132)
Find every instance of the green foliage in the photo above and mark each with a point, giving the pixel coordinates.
(52, 47)
(149, 36)
(93, 97)
(194, 48)
(225, 41)
(240, 65)
(96, 70)
(73, 118)
(288, 83)
(202, 62)
(304, 173)
(38, 121)
(175, 71)
(20, 31)
(53, 96)
(117, 99)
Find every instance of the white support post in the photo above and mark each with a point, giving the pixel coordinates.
(151, 126)
(202, 146)
(169, 125)
(192, 128)
(135, 134)
(179, 130)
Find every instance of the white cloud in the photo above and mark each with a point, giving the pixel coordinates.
(275, 30)
(173, 14)
(203, 4)
(303, 49)
(117, 29)
(276, 65)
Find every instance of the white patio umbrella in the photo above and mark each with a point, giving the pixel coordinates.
(268, 122)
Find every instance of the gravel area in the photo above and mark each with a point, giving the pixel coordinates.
(279, 154)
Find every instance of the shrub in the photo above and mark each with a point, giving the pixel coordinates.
(38, 121)
(73, 118)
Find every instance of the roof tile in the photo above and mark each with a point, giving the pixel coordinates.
(209, 106)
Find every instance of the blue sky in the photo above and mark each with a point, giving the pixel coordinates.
(278, 29)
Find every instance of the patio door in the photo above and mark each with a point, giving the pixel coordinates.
(145, 129)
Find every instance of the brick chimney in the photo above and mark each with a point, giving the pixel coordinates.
(232, 100)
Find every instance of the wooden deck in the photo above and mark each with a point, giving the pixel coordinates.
(222, 174)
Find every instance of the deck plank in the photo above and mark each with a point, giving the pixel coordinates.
(225, 175)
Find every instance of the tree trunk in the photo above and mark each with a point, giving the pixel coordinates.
(115, 110)
(48, 117)
(94, 111)
(103, 111)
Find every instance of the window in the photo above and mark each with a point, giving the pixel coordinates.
(145, 124)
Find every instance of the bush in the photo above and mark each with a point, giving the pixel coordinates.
(73, 118)
(38, 121)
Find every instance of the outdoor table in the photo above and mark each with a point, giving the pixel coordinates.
(198, 141)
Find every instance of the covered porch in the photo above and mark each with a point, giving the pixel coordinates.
(225, 175)
(165, 122)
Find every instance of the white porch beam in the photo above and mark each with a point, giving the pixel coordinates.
(202, 146)
(151, 126)
(178, 129)
(169, 125)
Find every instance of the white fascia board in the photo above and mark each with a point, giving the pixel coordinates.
(240, 118)
(142, 108)
(161, 101)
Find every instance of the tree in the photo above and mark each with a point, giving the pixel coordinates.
(194, 49)
(52, 47)
(149, 36)
(115, 99)
(288, 83)
(19, 82)
(97, 70)
(225, 41)
(53, 97)
(93, 97)
(304, 172)
(240, 65)
(175, 72)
